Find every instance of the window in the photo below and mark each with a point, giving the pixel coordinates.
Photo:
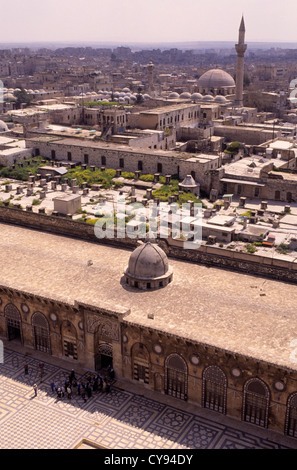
(291, 416)
(256, 402)
(86, 158)
(214, 389)
(140, 166)
(121, 163)
(53, 154)
(69, 156)
(176, 376)
(159, 168)
(103, 160)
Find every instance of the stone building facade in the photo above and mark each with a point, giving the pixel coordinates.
(227, 383)
(153, 340)
(127, 158)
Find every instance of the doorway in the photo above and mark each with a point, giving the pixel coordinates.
(103, 356)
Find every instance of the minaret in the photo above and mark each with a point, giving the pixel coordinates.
(150, 69)
(240, 50)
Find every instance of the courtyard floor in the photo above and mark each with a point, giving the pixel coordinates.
(128, 417)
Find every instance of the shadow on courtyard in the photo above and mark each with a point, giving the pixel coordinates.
(162, 422)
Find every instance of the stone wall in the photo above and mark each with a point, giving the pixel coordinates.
(109, 155)
(247, 135)
(153, 349)
(270, 267)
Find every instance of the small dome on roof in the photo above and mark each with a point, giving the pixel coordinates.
(196, 96)
(146, 96)
(208, 98)
(220, 99)
(185, 95)
(9, 97)
(126, 90)
(148, 267)
(173, 95)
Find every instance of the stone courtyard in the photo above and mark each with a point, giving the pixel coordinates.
(129, 417)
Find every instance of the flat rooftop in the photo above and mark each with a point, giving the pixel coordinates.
(241, 313)
(169, 108)
(84, 143)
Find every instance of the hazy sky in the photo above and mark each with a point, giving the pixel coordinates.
(125, 21)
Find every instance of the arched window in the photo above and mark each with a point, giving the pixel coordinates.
(176, 376)
(13, 322)
(256, 402)
(214, 389)
(41, 332)
(291, 416)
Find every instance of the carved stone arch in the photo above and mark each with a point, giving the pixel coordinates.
(108, 330)
(69, 339)
(140, 361)
(12, 312)
(176, 376)
(291, 415)
(13, 322)
(106, 349)
(39, 319)
(214, 389)
(256, 397)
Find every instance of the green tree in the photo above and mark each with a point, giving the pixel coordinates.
(22, 97)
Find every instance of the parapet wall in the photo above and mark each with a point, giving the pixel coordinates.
(274, 268)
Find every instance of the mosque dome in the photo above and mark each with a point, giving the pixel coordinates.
(3, 126)
(220, 99)
(146, 96)
(185, 95)
(196, 96)
(208, 98)
(216, 78)
(9, 97)
(173, 95)
(148, 267)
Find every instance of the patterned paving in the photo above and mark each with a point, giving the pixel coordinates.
(120, 419)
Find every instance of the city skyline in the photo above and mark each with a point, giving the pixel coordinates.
(133, 21)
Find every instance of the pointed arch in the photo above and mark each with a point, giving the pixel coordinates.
(214, 389)
(291, 415)
(176, 376)
(41, 332)
(13, 322)
(256, 397)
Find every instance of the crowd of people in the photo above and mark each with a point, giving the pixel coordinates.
(93, 383)
(84, 388)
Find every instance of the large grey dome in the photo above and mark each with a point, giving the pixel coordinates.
(216, 78)
(148, 261)
(148, 267)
